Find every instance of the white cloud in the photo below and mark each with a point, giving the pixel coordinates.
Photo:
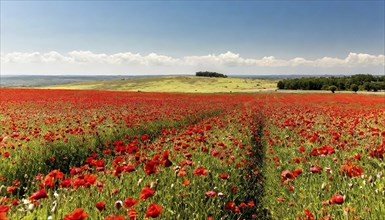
(118, 62)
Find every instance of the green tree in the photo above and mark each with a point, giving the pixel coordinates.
(354, 87)
(333, 88)
(281, 85)
(367, 86)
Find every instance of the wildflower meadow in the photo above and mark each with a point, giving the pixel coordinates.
(132, 155)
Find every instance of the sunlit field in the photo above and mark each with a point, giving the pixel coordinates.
(185, 84)
(82, 154)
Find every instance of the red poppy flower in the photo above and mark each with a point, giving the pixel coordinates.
(4, 208)
(308, 214)
(101, 205)
(324, 150)
(132, 214)
(11, 189)
(144, 137)
(146, 193)
(352, 170)
(224, 176)
(336, 199)
(66, 183)
(77, 214)
(315, 169)
(56, 174)
(243, 205)
(210, 193)
(6, 154)
(40, 194)
(280, 199)
(200, 171)
(129, 202)
(3, 216)
(297, 172)
(286, 174)
(48, 182)
(113, 217)
(15, 202)
(167, 163)
(186, 182)
(150, 167)
(231, 206)
(153, 210)
(90, 179)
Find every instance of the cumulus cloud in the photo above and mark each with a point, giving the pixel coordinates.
(90, 62)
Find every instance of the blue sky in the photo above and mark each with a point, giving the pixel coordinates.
(168, 37)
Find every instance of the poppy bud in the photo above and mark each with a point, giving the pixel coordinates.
(118, 204)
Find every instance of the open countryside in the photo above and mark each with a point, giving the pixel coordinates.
(102, 117)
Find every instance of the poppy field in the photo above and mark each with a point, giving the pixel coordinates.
(130, 155)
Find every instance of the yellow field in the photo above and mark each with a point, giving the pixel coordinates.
(189, 84)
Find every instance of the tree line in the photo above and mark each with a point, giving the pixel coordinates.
(356, 82)
(210, 74)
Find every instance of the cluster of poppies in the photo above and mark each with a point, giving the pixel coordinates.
(153, 155)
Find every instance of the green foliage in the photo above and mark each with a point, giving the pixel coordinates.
(365, 81)
(332, 88)
(210, 74)
(354, 87)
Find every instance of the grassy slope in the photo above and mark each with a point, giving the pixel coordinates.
(191, 84)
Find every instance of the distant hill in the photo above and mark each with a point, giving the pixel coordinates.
(42, 80)
(190, 84)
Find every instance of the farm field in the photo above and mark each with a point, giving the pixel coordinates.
(186, 84)
(90, 154)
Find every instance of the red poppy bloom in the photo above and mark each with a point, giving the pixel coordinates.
(352, 170)
(132, 214)
(210, 193)
(48, 182)
(40, 194)
(101, 205)
(129, 202)
(231, 206)
(3, 216)
(90, 179)
(4, 208)
(243, 205)
(66, 182)
(56, 174)
(150, 167)
(113, 217)
(308, 214)
(324, 150)
(200, 171)
(280, 199)
(146, 193)
(336, 199)
(11, 189)
(153, 210)
(297, 172)
(77, 214)
(315, 169)
(286, 174)
(6, 154)
(186, 182)
(224, 176)
(15, 202)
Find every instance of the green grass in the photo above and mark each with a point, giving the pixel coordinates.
(189, 84)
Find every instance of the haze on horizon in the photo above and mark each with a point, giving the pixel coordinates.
(182, 37)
